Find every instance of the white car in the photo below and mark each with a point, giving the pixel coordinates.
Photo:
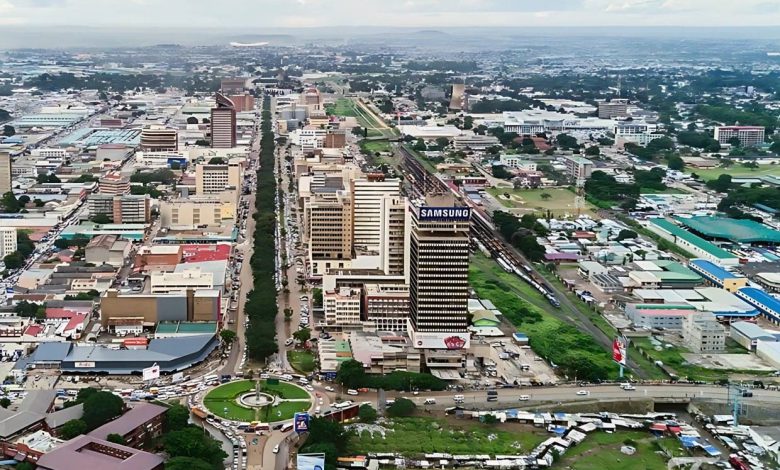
(583, 392)
(329, 389)
(276, 449)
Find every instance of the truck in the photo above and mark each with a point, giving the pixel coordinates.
(199, 413)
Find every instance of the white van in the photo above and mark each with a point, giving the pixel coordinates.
(524, 398)
(352, 392)
(430, 401)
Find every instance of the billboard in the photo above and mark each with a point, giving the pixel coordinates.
(451, 341)
(151, 373)
(311, 461)
(301, 422)
(619, 350)
(444, 213)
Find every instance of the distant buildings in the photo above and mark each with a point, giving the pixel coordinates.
(438, 274)
(749, 136)
(578, 168)
(232, 86)
(223, 123)
(114, 184)
(614, 108)
(474, 142)
(159, 139)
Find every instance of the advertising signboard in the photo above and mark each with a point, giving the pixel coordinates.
(619, 350)
(301, 422)
(84, 365)
(151, 373)
(444, 213)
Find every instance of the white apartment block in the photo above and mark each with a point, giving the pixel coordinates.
(703, 333)
(342, 307)
(368, 197)
(394, 241)
(7, 241)
(517, 161)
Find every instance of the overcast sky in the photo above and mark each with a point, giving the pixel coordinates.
(411, 13)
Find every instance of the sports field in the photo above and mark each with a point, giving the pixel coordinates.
(736, 171)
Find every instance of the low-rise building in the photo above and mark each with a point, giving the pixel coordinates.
(703, 333)
(107, 249)
(342, 307)
(748, 334)
(87, 452)
(138, 426)
(177, 282)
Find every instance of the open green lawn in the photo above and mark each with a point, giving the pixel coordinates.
(663, 191)
(374, 146)
(302, 361)
(735, 171)
(343, 107)
(560, 202)
(601, 451)
(222, 401)
(420, 435)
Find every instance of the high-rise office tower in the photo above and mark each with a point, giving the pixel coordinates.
(329, 230)
(5, 172)
(223, 123)
(394, 241)
(368, 194)
(438, 273)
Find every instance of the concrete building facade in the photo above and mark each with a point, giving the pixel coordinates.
(223, 123)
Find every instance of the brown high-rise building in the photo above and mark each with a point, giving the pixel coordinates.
(243, 103)
(335, 140)
(223, 123)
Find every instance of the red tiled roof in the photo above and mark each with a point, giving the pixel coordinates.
(200, 253)
(33, 330)
(75, 321)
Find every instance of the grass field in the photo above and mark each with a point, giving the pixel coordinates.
(374, 146)
(664, 191)
(222, 401)
(420, 435)
(601, 451)
(736, 171)
(302, 361)
(560, 203)
(343, 107)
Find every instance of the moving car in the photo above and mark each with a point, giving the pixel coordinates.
(583, 392)
(276, 449)
(352, 392)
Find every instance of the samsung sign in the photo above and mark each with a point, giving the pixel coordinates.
(445, 213)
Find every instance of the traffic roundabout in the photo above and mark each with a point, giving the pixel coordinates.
(261, 400)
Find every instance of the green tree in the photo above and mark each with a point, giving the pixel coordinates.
(9, 131)
(351, 374)
(101, 219)
(227, 336)
(24, 199)
(419, 146)
(38, 202)
(593, 151)
(675, 163)
(9, 202)
(25, 466)
(546, 196)
(489, 419)
(176, 417)
(500, 171)
(217, 161)
(328, 437)
(735, 142)
(72, 428)
(116, 439)
(722, 184)
(626, 234)
(101, 407)
(366, 414)
(193, 442)
(13, 260)
(316, 297)
(5, 402)
(187, 463)
(302, 335)
(401, 407)
(442, 142)
(192, 120)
